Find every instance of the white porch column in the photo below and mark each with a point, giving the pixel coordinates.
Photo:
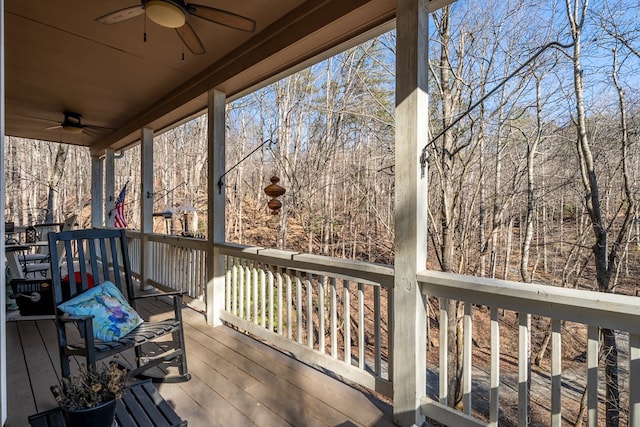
(216, 202)
(146, 204)
(110, 185)
(410, 313)
(97, 191)
(3, 318)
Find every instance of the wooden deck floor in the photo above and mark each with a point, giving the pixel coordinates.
(237, 381)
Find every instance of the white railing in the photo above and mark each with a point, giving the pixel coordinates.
(179, 263)
(311, 306)
(585, 311)
(134, 243)
(314, 308)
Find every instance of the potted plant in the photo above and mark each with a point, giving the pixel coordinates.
(89, 398)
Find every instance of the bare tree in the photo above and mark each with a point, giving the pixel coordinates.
(605, 254)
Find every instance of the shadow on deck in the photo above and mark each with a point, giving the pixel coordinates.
(237, 381)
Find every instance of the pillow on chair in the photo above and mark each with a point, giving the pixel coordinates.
(113, 317)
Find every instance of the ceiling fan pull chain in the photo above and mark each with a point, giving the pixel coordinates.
(145, 26)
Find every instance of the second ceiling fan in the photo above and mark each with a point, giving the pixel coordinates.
(175, 14)
(72, 123)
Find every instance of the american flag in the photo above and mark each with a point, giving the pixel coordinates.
(119, 220)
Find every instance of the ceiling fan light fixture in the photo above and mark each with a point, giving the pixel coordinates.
(70, 128)
(167, 13)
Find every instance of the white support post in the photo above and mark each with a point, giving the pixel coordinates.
(524, 362)
(3, 318)
(410, 309)
(216, 221)
(593, 349)
(97, 192)
(110, 185)
(467, 357)
(146, 204)
(494, 393)
(634, 386)
(556, 373)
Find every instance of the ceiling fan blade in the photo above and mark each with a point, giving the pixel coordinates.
(92, 131)
(53, 127)
(190, 39)
(97, 128)
(121, 15)
(222, 17)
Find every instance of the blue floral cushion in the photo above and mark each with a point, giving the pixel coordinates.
(113, 317)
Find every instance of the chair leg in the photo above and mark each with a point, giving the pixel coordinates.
(179, 342)
(62, 345)
(177, 355)
(149, 363)
(87, 327)
(178, 337)
(64, 363)
(182, 368)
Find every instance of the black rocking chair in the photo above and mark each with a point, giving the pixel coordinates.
(102, 255)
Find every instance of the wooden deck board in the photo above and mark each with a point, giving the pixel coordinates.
(331, 394)
(236, 380)
(229, 397)
(247, 355)
(306, 379)
(49, 333)
(20, 401)
(38, 364)
(241, 378)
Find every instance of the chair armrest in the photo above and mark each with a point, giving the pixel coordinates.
(84, 324)
(15, 248)
(176, 297)
(65, 318)
(161, 294)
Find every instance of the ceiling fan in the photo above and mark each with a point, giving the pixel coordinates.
(175, 14)
(72, 123)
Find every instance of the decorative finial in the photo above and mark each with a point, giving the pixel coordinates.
(274, 191)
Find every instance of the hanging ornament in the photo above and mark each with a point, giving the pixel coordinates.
(274, 191)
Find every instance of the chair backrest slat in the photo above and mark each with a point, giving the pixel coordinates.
(101, 253)
(112, 263)
(82, 266)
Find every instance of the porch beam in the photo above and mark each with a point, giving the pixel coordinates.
(215, 295)
(146, 204)
(410, 310)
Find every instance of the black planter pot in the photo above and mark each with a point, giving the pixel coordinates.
(102, 415)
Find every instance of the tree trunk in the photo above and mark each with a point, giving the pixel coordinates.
(54, 182)
(445, 168)
(605, 263)
(531, 196)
